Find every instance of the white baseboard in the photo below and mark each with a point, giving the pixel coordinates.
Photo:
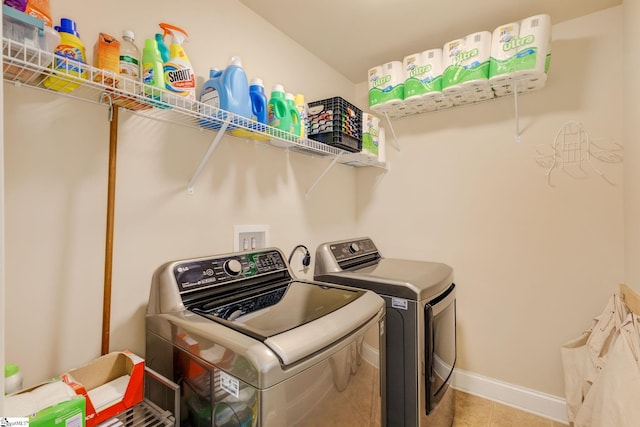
(545, 405)
(533, 401)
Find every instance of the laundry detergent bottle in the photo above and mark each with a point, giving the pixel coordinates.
(258, 101)
(179, 77)
(70, 58)
(278, 111)
(294, 126)
(228, 91)
(210, 100)
(152, 76)
(303, 111)
(234, 82)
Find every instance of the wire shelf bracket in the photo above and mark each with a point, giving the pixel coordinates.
(322, 175)
(207, 155)
(393, 132)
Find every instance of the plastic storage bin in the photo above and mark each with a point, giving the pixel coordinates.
(31, 42)
(336, 122)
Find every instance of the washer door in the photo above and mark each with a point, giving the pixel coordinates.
(298, 318)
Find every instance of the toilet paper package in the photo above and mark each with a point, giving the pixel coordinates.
(535, 58)
(450, 54)
(370, 134)
(527, 84)
(476, 81)
(476, 62)
(502, 52)
(440, 100)
(382, 145)
(423, 74)
(521, 50)
(386, 86)
(467, 62)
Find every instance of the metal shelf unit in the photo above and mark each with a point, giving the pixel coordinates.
(147, 413)
(29, 66)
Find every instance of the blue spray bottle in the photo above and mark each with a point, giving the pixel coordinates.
(162, 47)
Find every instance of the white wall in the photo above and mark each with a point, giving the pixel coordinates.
(632, 149)
(56, 181)
(533, 263)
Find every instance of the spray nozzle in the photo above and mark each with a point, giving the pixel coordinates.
(179, 35)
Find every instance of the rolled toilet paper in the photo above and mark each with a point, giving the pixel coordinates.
(502, 52)
(450, 68)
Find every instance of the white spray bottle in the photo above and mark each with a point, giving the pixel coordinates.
(179, 76)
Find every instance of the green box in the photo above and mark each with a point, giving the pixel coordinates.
(71, 412)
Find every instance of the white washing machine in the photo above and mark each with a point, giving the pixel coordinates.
(420, 326)
(250, 345)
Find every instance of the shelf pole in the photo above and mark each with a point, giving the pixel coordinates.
(208, 154)
(517, 114)
(324, 172)
(393, 132)
(108, 255)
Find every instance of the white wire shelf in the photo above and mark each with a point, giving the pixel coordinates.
(467, 94)
(144, 414)
(29, 66)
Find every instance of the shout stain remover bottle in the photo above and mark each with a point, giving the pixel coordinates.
(179, 77)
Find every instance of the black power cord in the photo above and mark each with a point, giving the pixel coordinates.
(306, 261)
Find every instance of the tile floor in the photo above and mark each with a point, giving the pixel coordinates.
(473, 411)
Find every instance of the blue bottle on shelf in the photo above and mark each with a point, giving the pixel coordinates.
(258, 102)
(226, 91)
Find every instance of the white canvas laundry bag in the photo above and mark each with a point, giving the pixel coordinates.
(584, 357)
(613, 398)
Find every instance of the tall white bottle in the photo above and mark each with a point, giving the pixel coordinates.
(129, 60)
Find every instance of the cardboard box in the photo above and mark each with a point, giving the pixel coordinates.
(106, 57)
(60, 407)
(110, 384)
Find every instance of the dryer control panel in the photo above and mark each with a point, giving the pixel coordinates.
(352, 249)
(347, 254)
(211, 272)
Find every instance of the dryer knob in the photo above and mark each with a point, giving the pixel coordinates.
(353, 248)
(232, 267)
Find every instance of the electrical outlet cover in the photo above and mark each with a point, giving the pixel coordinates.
(250, 237)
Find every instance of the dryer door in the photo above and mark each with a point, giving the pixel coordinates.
(440, 345)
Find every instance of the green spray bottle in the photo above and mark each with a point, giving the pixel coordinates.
(152, 73)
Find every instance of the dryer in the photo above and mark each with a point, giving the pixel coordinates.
(420, 326)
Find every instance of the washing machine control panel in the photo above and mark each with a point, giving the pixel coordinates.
(353, 249)
(210, 272)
